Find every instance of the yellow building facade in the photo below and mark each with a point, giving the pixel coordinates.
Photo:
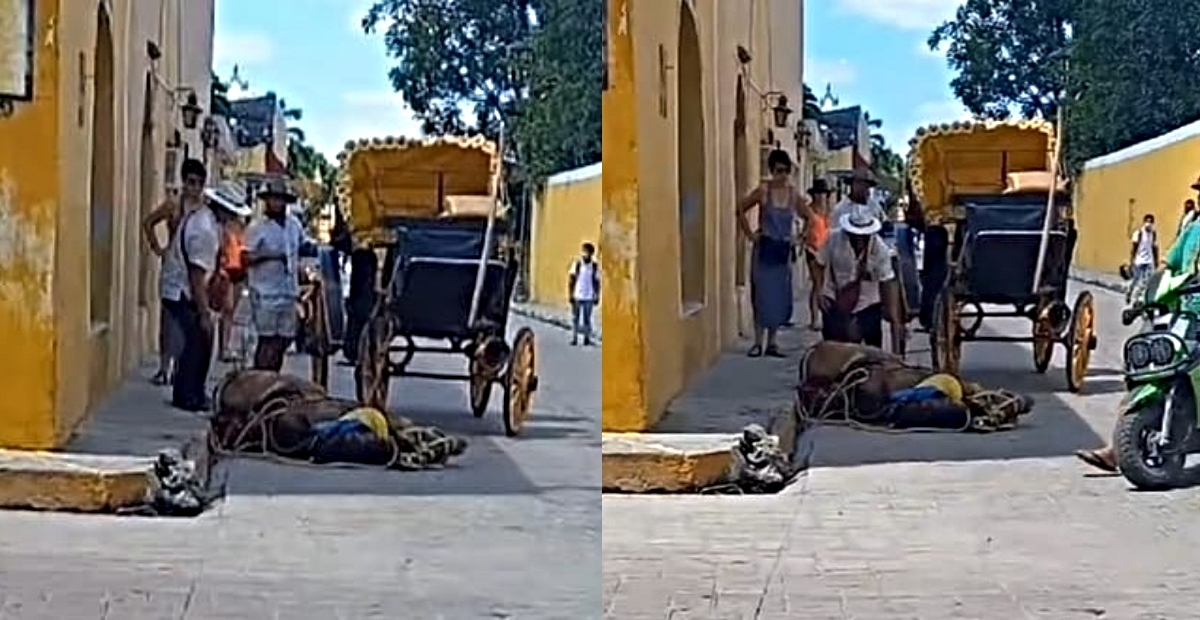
(1117, 190)
(690, 87)
(565, 215)
(80, 163)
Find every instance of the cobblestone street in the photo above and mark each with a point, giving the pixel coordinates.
(926, 526)
(513, 531)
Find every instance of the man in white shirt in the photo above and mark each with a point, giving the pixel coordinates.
(188, 267)
(856, 280)
(583, 285)
(273, 255)
(858, 200)
(1143, 255)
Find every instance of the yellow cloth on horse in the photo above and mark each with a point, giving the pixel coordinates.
(371, 418)
(949, 385)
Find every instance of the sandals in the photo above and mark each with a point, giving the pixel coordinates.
(1093, 458)
(770, 351)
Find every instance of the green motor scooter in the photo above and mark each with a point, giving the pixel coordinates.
(1159, 416)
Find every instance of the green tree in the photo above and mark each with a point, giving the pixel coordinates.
(1133, 68)
(1008, 55)
(452, 55)
(885, 163)
(533, 66)
(559, 125)
(812, 104)
(219, 97)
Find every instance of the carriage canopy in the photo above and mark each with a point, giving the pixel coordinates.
(385, 179)
(978, 158)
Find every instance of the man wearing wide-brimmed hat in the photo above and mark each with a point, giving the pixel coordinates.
(273, 252)
(861, 183)
(856, 280)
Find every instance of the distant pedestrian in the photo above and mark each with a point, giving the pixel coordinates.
(230, 279)
(583, 285)
(188, 270)
(1143, 256)
(273, 258)
(779, 203)
(1189, 216)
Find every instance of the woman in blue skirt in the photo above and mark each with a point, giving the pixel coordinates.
(773, 250)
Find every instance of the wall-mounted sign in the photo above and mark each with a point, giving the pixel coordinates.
(16, 49)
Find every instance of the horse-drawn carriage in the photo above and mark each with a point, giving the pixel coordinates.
(433, 271)
(999, 231)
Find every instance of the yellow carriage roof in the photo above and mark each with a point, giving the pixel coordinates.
(974, 157)
(384, 178)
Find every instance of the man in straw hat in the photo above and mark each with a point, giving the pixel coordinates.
(273, 255)
(856, 281)
(859, 198)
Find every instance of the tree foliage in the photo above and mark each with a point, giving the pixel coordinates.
(532, 66)
(1008, 54)
(1121, 69)
(886, 163)
(1133, 68)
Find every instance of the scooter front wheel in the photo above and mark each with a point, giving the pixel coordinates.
(1144, 463)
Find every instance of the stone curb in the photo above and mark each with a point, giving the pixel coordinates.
(547, 318)
(88, 483)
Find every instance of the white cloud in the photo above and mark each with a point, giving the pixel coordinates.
(363, 114)
(904, 14)
(930, 112)
(241, 48)
(818, 73)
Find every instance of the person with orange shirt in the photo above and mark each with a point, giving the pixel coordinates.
(816, 231)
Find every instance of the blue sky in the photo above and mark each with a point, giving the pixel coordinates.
(873, 53)
(313, 54)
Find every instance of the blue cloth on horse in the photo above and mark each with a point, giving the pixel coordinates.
(915, 395)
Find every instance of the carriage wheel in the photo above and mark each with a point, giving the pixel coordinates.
(481, 389)
(371, 374)
(316, 326)
(944, 345)
(1043, 343)
(1081, 339)
(520, 382)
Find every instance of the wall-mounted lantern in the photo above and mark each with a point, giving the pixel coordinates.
(16, 78)
(780, 111)
(191, 111)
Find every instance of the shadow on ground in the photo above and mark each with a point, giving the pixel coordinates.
(741, 390)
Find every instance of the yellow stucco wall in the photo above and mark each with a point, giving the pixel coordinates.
(1117, 190)
(65, 359)
(565, 216)
(656, 344)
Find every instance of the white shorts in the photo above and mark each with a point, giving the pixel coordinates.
(275, 317)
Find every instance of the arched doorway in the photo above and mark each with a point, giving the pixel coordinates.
(741, 184)
(102, 176)
(690, 157)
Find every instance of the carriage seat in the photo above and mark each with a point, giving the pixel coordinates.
(1001, 241)
(434, 278)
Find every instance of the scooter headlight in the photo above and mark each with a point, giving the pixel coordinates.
(1162, 351)
(1137, 355)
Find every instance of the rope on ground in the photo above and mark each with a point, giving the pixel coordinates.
(412, 448)
(838, 404)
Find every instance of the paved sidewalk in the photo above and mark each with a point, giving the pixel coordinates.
(1109, 281)
(926, 526)
(557, 317)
